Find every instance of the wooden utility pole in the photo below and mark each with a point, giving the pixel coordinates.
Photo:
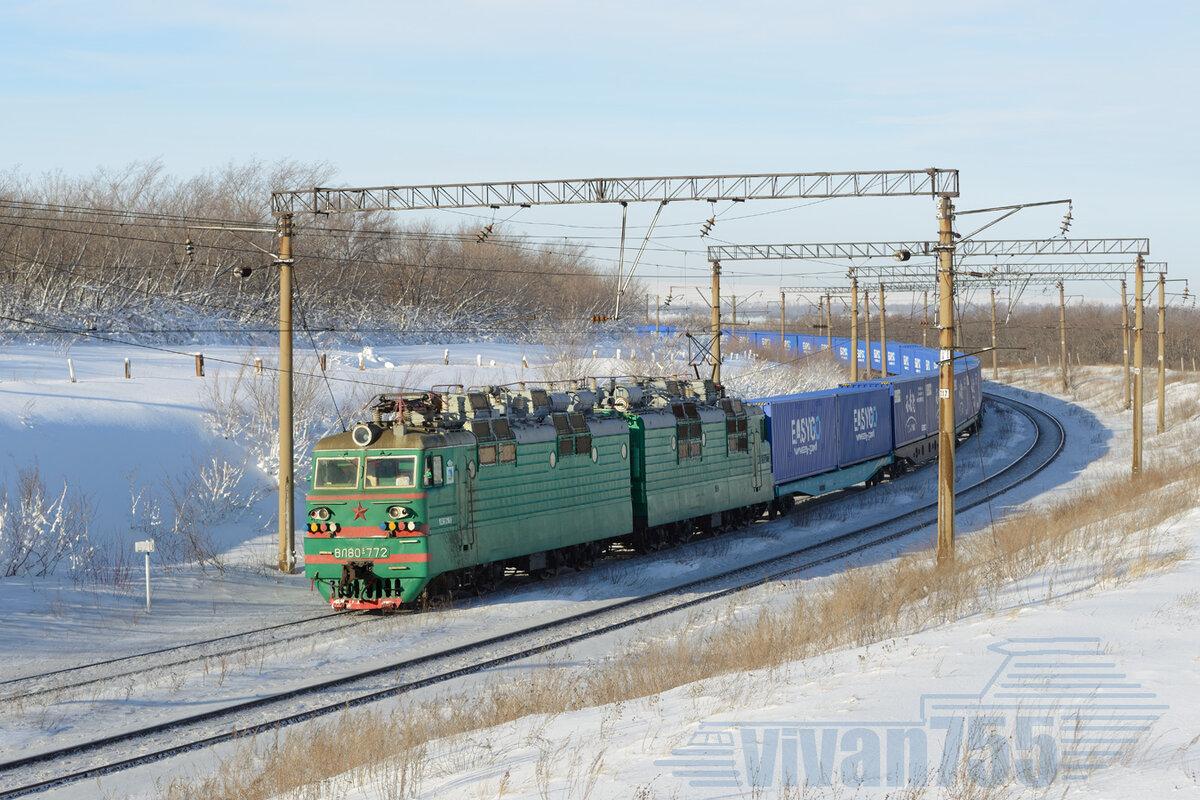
(883, 360)
(657, 314)
(946, 432)
(823, 320)
(1062, 334)
(287, 484)
(733, 324)
(782, 317)
(995, 363)
(1125, 344)
(829, 321)
(853, 327)
(1162, 352)
(925, 322)
(867, 335)
(621, 261)
(716, 322)
(1138, 315)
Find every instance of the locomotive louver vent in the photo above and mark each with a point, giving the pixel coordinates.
(482, 431)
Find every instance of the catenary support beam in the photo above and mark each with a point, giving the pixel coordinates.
(573, 191)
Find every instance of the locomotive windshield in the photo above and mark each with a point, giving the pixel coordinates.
(336, 473)
(390, 472)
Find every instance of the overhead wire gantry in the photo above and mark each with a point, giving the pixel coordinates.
(946, 249)
(932, 182)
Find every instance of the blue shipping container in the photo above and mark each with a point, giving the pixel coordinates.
(864, 424)
(803, 431)
(914, 409)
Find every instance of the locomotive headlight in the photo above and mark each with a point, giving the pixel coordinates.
(397, 512)
(364, 433)
(319, 513)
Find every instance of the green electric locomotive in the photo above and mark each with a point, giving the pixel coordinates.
(443, 491)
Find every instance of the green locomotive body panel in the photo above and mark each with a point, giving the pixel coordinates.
(677, 475)
(550, 498)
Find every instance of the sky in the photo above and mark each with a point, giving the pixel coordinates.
(1031, 101)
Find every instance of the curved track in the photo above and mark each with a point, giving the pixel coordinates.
(111, 754)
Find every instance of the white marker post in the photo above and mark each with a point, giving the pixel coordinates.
(145, 546)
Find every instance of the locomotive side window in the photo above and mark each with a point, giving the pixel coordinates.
(391, 472)
(336, 473)
(436, 475)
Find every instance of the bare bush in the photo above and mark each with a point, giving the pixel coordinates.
(40, 530)
(75, 268)
(180, 511)
(243, 407)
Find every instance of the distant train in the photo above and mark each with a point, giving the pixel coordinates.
(445, 491)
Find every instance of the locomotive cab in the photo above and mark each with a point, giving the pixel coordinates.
(366, 542)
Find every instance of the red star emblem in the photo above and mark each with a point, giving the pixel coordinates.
(360, 512)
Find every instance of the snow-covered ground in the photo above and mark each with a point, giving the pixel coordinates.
(159, 423)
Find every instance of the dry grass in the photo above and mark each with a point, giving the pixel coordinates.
(1105, 534)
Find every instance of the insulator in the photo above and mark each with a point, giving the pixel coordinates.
(1067, 218)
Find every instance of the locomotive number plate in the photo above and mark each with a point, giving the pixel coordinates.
(360, 552)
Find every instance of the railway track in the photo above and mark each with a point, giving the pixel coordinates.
(122, 751)
(97, 672)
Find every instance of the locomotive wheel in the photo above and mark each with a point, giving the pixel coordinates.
(485, 578)
(584, 555)
(438, 593)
